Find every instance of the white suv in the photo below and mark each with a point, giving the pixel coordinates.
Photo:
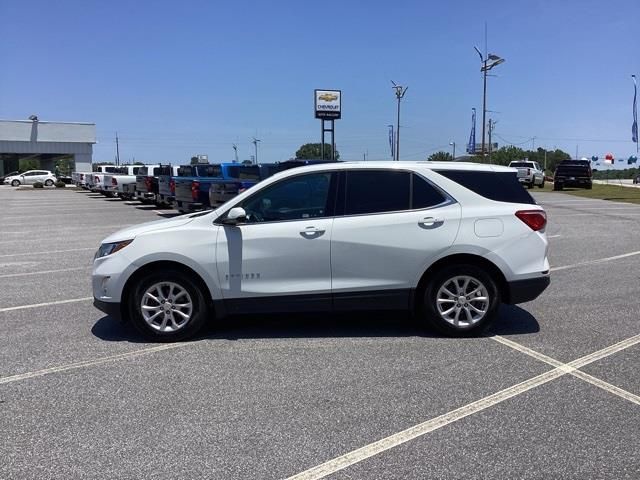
(449, 241)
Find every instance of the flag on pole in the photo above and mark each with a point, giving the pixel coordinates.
(634, 127)
(471, 147)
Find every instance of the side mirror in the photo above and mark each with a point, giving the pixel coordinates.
(235, 216)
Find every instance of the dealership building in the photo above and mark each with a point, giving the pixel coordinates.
(45, 142)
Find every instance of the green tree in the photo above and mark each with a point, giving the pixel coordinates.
(440, 157)
(65, 165)
(25, 164)
(194, 160)
(311, 151)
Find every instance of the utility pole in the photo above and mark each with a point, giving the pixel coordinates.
(235, 152)
(255, 144)
(491, 125)
(400, 91)
(117, 150)
(453, 144)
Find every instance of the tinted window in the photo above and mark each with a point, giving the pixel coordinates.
(136, 170)
(498, 186)
(210, 171)
(521, 164)
(304, 196)
(244, 172)
(110, 169)
(374, 191)
(424, 195)
(186, 171)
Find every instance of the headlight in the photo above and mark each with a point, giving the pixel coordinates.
(109, 248)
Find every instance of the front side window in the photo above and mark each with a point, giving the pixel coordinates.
(299, 197)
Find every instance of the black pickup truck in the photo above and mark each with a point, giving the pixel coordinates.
(573, 173)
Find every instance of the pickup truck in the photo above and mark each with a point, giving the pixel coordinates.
(114, 183)
(166, 185)
(145, 179)
(79, 179)
(573, 173)
(529, 173)
(242, 177)
(192, 185)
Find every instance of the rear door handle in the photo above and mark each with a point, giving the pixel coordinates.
(431, 222)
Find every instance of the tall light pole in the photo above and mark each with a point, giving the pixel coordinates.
(453, 144)
(235, 152)
(487, 64)
(255, 144)
(400, 91)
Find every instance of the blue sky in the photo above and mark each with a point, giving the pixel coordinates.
(180, 78)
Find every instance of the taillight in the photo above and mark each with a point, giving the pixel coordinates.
(195, 187)
(535, 219)
(147, 182)
(114, 182)
(96, 179)
(172, 186)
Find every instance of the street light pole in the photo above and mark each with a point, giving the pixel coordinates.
(255, 144)
(486, 66)
(454, 150)
(400, 91)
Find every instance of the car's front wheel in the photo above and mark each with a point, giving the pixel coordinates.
(168, 306)
(461, 300)
(48, 183)
(15, 183)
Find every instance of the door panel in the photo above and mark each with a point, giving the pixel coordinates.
(389, 250)
(275, 259)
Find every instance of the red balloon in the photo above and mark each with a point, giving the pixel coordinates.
(609, 156)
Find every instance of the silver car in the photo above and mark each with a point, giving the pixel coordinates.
(30, 177)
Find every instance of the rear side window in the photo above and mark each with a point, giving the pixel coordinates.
(375, 191)
(425, 195)
(521, 165)
(497, 186)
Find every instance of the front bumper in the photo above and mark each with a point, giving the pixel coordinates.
(110, 308)
(520, 291)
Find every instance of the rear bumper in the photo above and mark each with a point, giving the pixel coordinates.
(520, 291)
(110, 308)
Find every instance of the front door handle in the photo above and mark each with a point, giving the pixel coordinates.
(431, 222)
(312, 232)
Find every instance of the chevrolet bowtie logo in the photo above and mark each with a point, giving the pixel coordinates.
(328, 97)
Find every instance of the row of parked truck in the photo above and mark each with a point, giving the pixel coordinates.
(186, 188)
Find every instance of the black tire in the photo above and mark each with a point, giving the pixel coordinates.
(542, 184)
(557, 186)
(431, 315)
(48, 183)
(530, 185)
(15, 183)
(198, 317)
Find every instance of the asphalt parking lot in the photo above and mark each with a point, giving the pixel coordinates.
(553, 391)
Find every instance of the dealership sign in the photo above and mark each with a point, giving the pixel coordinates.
(328, 104)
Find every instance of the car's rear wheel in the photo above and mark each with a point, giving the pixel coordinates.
(460, 300)
(542, 184)
(15, 183)
(557, 186)
(168, 306)
(531, 184)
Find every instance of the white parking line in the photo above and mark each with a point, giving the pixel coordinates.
(89, 363)
(47, 252)
(572, 370)
(554, 236)
(42, 272)
(37, 305)
(360, 454)
(594, 262)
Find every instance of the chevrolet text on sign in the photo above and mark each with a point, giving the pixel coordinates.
(328, 104)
